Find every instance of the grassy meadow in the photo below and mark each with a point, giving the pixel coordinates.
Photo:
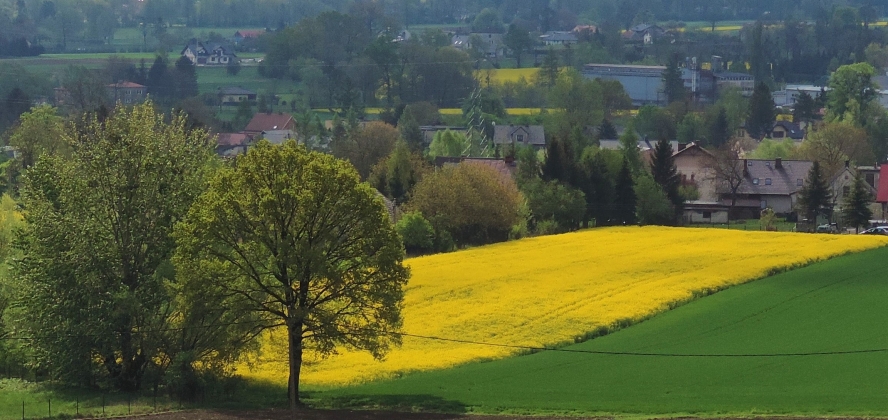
(559, 289)
(832, 306)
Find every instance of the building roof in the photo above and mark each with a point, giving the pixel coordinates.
(792, 129)
(278, 136)
(642, 27)
(774, 177)
(268, 122)
(249, 34)
(733, 75)
(125, 84)
(232, 139)
(535, 135)
(882, 195)
(235, 90)
(559, 36)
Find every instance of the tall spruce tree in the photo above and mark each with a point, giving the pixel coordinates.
(673, 86)
(607, 131)
(815, 196)
(761, 112)
(409, 130)
(856, 211)
(665, 174)
(624, 196)
(719, 129)
(559, 164)
(186, 78)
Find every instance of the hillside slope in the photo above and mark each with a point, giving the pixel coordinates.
(837, 308)
(555, 289)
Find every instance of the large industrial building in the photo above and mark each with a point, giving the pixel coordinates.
(643, 84)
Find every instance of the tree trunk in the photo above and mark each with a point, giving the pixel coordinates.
(294, 335)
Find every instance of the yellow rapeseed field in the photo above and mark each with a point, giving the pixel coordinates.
(551, 289)
(498, 76)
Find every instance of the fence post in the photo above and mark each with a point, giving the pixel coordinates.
(77, 406)
(103, 405)
(23, 409)
(49, 402)
(128, 406)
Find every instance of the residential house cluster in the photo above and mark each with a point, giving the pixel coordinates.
(764, 183)
(208, 53)
(274, 127)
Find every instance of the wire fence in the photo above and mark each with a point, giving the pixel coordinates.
(104, 405)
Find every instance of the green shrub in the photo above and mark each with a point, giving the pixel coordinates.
(416, 232)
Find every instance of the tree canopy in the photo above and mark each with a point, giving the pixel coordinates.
(297, 237)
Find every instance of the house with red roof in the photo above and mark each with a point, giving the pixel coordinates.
(268, 121)
(882, 194)
(127, 93)
(241, 36)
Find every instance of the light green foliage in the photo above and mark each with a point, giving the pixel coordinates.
(767, 219)
(297, 238)
(97, 244)
(771, 149)
(395, 175)
(652, 205)
(852, 92)
(691, 129)
(416, 232)
(448, 143)
(472, 202)
(736, 106)
(40, 131)
(629, 149)
(576, 102)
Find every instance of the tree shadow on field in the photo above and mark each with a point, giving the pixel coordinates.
(448, 409)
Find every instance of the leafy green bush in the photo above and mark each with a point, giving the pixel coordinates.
(416, 232)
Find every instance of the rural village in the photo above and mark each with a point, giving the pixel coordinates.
(443, 209)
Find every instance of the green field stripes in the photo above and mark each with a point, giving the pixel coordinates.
(834, 306)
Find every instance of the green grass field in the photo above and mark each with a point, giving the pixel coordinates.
(833, 306)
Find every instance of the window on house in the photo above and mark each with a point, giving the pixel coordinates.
(871, 179)
(520, 138)
(800, 182)
(755, 181)
(777, 134)
(767, 181)
(707, 214)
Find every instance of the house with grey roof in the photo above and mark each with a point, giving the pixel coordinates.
(559, 38)
(519, 135)
(208, 54)
(773, 183)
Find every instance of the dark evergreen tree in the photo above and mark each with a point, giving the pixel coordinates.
(856, 211)
(548, 73)
(410, 131)
(559, 164)
(518, 40)
(16, 103)
(719, 129)
(186, 78)
(815, 197)
(805, 108)
(673, 86)
(761, 112)
(624, 196)
(158, 80)
(607, 131)
(665, 174)
(596, 184)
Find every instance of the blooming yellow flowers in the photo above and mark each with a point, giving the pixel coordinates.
(551, 289)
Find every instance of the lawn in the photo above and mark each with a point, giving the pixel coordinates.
(560, 289)
(829, 307)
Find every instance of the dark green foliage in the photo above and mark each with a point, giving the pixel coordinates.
(233, 68)
(416, 232)
(607, 130)
(673, 86)
(186, 78)
(559, 165)
(815, 197)
(655, 123)
(159, 82)
(410, 131)
(517, 39)
(528, 163)
(805, 108)
(653, 206)
(666, 175)
(15, 104)
(624, 197)
(555, 202)
(719, 130)
(855, 209)
(548, 73)
(597, 184)
(761, 112)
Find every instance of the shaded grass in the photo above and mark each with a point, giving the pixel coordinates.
(39, 400)
(836, 305)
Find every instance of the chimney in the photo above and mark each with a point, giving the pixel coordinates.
(681, 146)
(847, 164)
(778, 163)
(745, 167)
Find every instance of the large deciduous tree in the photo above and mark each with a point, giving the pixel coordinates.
(97, 242)
(851, 92)
(835, 143)
(295, 236)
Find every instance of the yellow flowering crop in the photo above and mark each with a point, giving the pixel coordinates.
(498, 76)
(551, 289)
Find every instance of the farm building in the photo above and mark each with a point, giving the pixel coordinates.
(643, 84)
